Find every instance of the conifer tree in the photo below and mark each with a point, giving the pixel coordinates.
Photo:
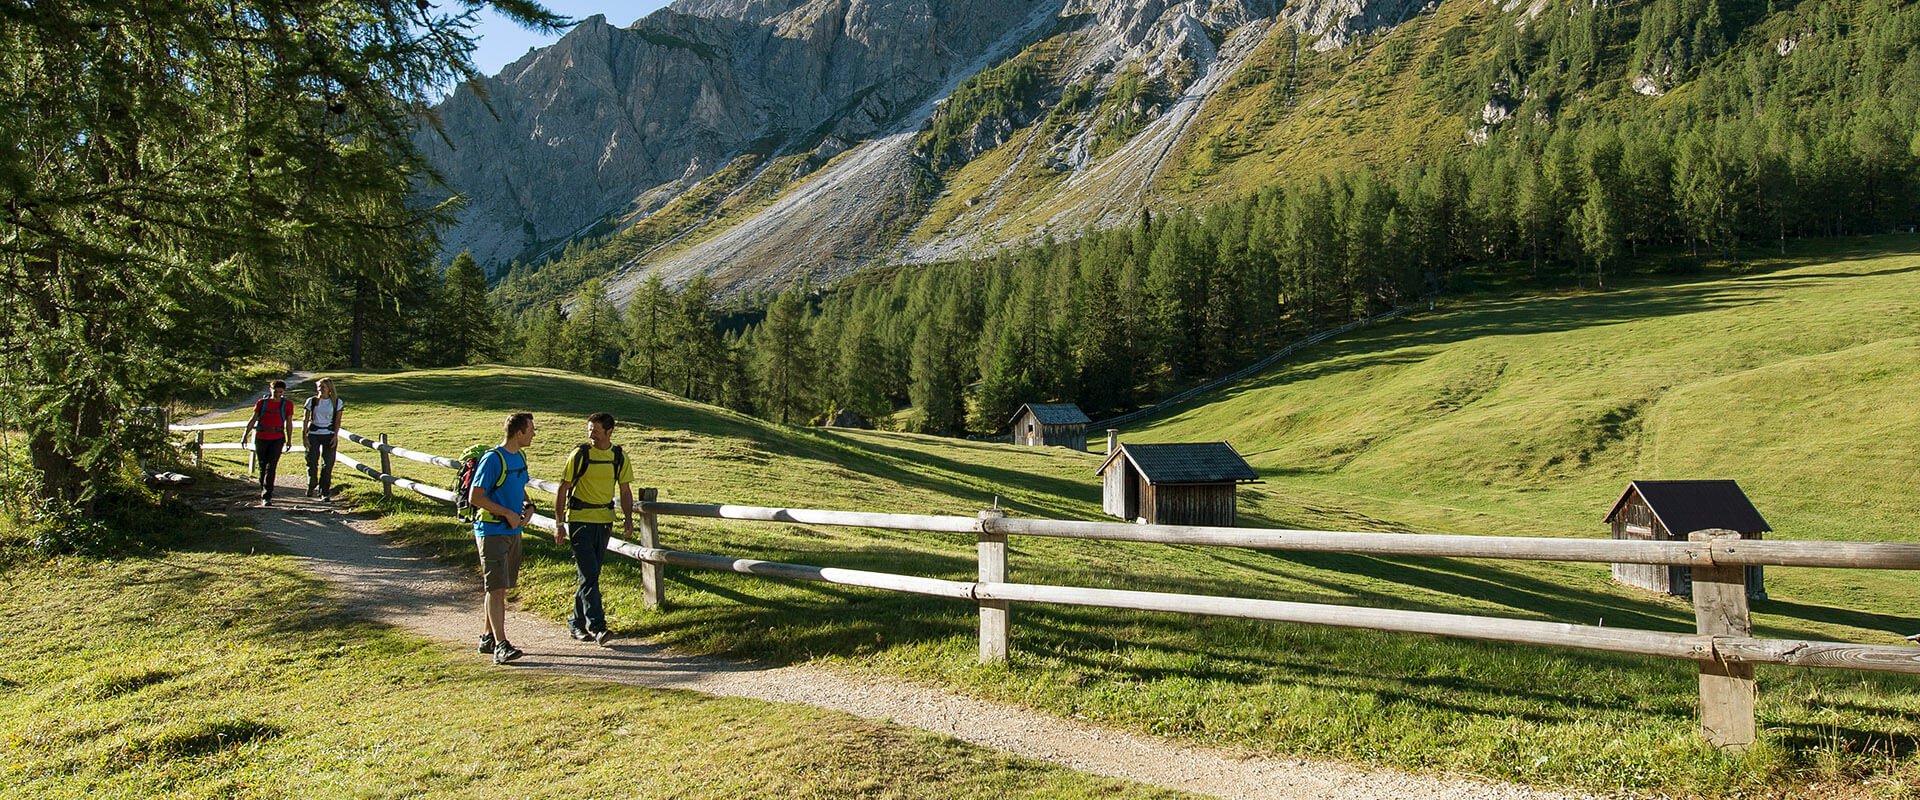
(544, 341)
(469, 330)
(697, 345)
(591, 338)
(785, 359)
(939, 374)
(182, 167)
(861, 371)
(1599, 233)
(649, 320)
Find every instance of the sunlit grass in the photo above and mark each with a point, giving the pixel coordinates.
(220, 670)
(1491, 416)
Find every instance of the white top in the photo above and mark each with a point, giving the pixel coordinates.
(323, 414)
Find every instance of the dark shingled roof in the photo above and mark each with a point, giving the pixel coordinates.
(1054, 413)
(1200, 462)
(1688, 506)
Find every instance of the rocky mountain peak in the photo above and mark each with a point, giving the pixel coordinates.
(686, 111)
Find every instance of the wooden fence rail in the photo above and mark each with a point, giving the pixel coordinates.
(200, 444)
(1722, 646)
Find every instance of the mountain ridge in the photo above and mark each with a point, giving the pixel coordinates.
(771, 181)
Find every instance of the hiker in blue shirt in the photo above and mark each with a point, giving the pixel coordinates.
(500, 493)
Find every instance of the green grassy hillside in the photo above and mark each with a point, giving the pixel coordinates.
(1796, 378)
(1500, 416)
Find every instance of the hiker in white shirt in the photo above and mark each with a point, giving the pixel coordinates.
(323, 437)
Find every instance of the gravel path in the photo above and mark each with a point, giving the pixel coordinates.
(412, 590)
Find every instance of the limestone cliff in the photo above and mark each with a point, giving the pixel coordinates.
(761, 141)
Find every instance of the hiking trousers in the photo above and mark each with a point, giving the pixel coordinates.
(266, 455)
(589, 541)
(320, 449)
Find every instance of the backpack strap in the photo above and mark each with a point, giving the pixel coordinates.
(502, 480)
(499, 482)
(260, 410)
(579, 463)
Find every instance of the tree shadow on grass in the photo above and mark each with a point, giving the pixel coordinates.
(1822, 277)
(1864, 620)
(1075, 641)
(1813, 736)
(1033, 485)
(786, 630)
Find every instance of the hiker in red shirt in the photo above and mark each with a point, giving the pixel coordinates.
(271, 417)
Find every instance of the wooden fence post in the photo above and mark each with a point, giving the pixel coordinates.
(652, 574)
(1727, 690)
(993, 569)
(386, 468)
(199, 445)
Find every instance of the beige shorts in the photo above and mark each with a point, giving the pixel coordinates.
(499, 561)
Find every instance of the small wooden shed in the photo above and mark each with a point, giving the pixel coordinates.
(1669, 511)
(1051, 424)
(1174, 484)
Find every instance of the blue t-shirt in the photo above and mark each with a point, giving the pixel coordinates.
(510, 494)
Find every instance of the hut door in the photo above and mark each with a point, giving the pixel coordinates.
(1121, 496)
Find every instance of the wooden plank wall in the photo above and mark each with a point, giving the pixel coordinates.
(1195, 504)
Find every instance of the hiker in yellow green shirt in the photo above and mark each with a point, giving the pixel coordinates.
(584, 509)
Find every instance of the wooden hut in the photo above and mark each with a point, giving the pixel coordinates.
(1174, 484)
(1669, 511)
(1051, 424)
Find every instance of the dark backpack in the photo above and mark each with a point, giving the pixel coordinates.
(579, 470)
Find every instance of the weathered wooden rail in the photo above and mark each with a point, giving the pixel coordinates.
(200, 445)
(1722, 645)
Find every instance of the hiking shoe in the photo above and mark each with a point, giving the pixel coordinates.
(312, 490)
(505, 652)
(601, 638)
(486, 643)
(579, 635)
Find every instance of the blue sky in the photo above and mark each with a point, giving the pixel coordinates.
(499, 42)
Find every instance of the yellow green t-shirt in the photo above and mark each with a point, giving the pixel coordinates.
(596, 485)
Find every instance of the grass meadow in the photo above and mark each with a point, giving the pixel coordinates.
(217, 668)
(1494, 415)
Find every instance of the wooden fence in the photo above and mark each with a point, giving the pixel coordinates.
(197, 448)
(1723, 645)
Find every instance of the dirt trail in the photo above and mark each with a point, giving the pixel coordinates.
(414, 591)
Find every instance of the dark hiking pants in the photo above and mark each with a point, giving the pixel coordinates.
(589, 549)
(320, 449)
(266, 455)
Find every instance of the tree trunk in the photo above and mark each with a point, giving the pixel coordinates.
(64, 480)
(59, 474)
(359, 321)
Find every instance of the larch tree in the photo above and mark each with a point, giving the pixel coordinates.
(176, 170)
